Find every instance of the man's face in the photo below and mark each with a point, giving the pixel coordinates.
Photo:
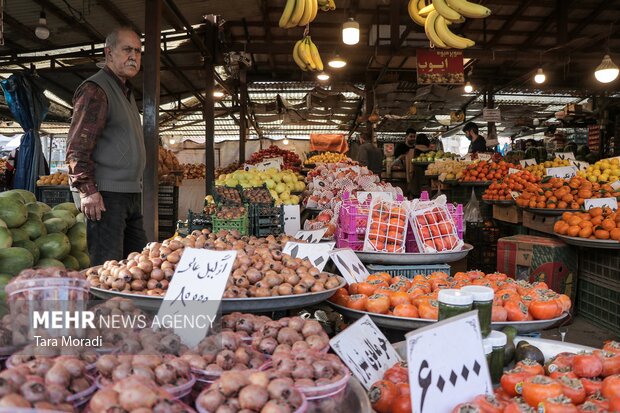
(469, 134)
(124, 58)
(410, 139)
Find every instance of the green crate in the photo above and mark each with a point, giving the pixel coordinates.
(600, 265)
(599, 303)
(239, 224)
(408, 271)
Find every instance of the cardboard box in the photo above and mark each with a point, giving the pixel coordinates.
(530, 258)
(539, 222)
(510, 214)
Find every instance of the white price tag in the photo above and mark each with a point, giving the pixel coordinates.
(362, 196)
(515, 194)
(365, 351)
(318, 254)
(248, 167)
(292, 220)
(527, 162)
(441, 374)
(265, 165)
(562, 172)
(278, 160)
(195, 293)
(616, 186)
(612, 203)
(565, 155)
(513, 171)
(466, 157)
(581, 166)
(313, 237)
(349, 265)
(484, 156)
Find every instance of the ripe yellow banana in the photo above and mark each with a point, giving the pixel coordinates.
(286, 14)
(421, 4)
(304, 52)
(316, 57)
(305, 17)
(425, 11)
(468, 9)
(332, 4)
(414, 12)
(429, 29)
(298, 60)
(315, 9)
(446, 11)
(448, 37)
(298, 12)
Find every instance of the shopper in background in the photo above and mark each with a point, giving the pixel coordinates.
(106, 153)
(369, 155)
(422, 145)
(403, 148)
(478, 143)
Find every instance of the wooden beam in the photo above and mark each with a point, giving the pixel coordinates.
(395, 23)
(75, 24)
(243, 103)
(507, 25)
(267, 30)
(546, 24)
(246, 32)
(562, 22)
(601, 7)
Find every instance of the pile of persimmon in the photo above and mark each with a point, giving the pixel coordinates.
(417, 298)
(485, 171)
(388, 223)
(436, 230)
(501, 191)
(569, 382)
(597, 223)
(558, 193)
(391, 394)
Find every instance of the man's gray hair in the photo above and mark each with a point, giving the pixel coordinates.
(112, 39)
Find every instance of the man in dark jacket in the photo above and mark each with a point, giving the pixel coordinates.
(369, 155)
(478, 143)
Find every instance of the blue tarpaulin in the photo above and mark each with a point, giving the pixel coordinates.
(24, 96)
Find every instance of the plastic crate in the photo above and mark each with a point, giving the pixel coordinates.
(53, 195)
(408, 271)
(480, 235)
(168, 195)
(602, 266)
(198, 221)
(354, 245)
(239, 224)
(265, 219)
(220, 200)
(599, 303)
(353, 216)
(483, 258)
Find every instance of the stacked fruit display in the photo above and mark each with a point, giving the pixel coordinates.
(290, 160)
(516, 182)
(558, 193)
(432, 156)
(194, 171)
(597, 223)
(281, 184)
(605, 170)
(306, 55)
(391, 394)
(33, 234)
(439, 14)
(448, 170)
(327, 157)
(57, 178)
(540, 169)
(169, 169)
(485, 171)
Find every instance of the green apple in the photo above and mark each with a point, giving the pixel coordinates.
(270, 183)
(232, 182)
(280, 188)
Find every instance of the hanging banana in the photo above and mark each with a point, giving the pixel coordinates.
(297, 58)
(448, 37)
(414, 12)
(468, 9)
(446, 11)
(429, 29)
(306, 55)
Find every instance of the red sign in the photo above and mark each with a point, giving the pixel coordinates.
(440, 66)
(594, 137)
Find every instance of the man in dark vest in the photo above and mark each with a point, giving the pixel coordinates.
(106, 153)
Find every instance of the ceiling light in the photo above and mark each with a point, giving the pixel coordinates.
(540, 76)
(337, 62)
(607, 71)
(322, 76)
(218, 94)
(351, 32)
(468, 88)
(285, 141)
(42, 31)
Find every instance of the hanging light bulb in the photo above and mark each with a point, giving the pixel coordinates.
(540, 76)
(323, 76)
(607, 71)
(217, 93)
(337, 62)
(351, 32)
(285, 141)
(468, 88)
(42, 31)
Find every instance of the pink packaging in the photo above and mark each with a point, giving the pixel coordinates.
(387, 226)
(434, 227)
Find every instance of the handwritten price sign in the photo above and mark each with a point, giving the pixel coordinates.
(195, 292)
(612, 203)
(318, 254)
(365, 350)
(581, 166)
(484, 156)
(565, 155)
(349, 265)
(312, 237)
(563, 172)
(513, 171)
(527, 162)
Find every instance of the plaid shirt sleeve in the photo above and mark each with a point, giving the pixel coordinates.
(90, 107)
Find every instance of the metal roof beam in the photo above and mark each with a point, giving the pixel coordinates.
(74, 23)
(507, 25)
(118, 15)
(24, 30)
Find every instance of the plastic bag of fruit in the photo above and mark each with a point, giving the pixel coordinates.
(386, 229)
(433, 226)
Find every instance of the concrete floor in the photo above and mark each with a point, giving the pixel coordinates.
(583, 332)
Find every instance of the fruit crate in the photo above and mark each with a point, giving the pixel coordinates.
(482, 235)
(220, 200)
(353, 216)
(53, 195)
(198, 221)
(408, 271)
(345, 243)
(247, 200)
(266, 219)
(602, 266)
(483, 258)
(599, 303)
(239, 224)
(168, 195)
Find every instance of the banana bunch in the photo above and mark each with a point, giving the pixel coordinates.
(439, 14)
(306, 55)
(299, 13)
(327, 5)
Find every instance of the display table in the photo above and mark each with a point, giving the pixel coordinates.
(191, 196)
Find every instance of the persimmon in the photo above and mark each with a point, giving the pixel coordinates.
(585, 232)
(615, 234)
(601, 234)
(573, 231)
(608, 224)
(595, 212)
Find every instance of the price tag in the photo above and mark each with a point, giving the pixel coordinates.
(562, 172)
(195, 293)
(616, 186)
(248, 167)
(365, 351)
(527, 162)
(484, 156)
(581, 166)
(312, 237)
(349, 265)
(515, 194)
(265, 165)
(362, 196)
(466, 157)
(612, 203)
(278, 160)
(441, 374)
(292, 220)
(565, 155)
(318, 254)
(513, 171)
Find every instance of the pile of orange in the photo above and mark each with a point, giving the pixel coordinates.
(417, 298)
(485, 171)
(388, 223)
(558, 193)
(499, 191)
(597, 223)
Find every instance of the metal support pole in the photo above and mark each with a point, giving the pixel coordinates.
(243, 103)
(209, 104)
(150, 62)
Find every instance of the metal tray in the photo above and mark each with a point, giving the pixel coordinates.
(452, 182)
(229, 305)
(590, 243)
(549, 212)
(505, 202)
(355, 398)
(408, 258)
(405, 323)
(475, 183)
(422, 163)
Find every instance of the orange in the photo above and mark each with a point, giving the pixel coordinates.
(615, 234)
(585, 232)
(594, 212)
(601, 234)
(608, 224)
(573, 230)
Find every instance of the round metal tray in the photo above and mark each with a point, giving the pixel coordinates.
(549, 212)
(505, 202)
(405, 323)
(355, 398)
(451, 182)
(590, 243)
(229, 305)
(475, 183)
(408, 258)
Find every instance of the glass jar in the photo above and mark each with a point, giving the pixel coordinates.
(453, 302)
(498, 341)
(488, 350)
(483, 302)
